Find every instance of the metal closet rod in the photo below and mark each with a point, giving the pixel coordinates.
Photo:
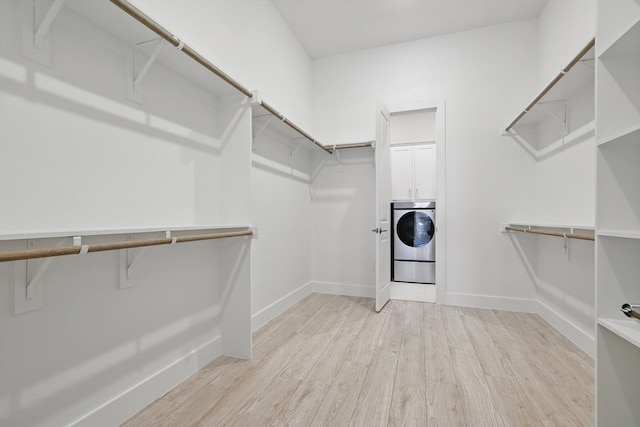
(354, 145)
(102, 247)
(292, 125)
(551, 233)
(553, 82)
(138, 15)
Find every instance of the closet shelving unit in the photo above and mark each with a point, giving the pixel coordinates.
(617, 211)
(557, 115)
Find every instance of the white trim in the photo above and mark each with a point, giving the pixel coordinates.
(344, 289)
(568, 329)
(263, 316)
(525, 305)
(128, 403)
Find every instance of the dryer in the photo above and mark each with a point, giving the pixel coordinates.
(414, 243)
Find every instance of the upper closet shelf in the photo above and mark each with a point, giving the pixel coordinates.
(149, 39)
(563, 86)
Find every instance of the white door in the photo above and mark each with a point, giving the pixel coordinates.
(402, 173)
(425, 172)
(383, 210)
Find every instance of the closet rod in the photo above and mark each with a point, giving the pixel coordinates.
(354, 145)
(292, 125)
(553, 82)
(138, 15)
(102, 247)
(551, 233)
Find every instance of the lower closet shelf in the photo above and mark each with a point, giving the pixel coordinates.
(627, 329)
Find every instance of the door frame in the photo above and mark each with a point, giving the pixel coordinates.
(440, 106)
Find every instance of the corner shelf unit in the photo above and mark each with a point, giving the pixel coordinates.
(562, 112)
(617, 211)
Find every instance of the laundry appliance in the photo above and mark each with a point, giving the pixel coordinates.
(414, 242)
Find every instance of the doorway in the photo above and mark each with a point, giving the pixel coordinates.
(417, 162)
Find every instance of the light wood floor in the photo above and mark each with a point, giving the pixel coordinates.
(332, 361)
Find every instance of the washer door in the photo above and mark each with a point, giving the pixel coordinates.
(415, 229)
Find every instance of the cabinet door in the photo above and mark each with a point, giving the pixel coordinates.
(402, 173)
(425, 172)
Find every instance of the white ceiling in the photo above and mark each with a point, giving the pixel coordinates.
(330, 27)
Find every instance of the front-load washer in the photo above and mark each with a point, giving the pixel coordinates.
(414, 243)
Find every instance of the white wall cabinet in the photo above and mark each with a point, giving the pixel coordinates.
(617, 211)
(413, 172)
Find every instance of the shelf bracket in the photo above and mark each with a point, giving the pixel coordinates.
(264, 126)
(139, 70)
(293, 153)
(29, 278)
(129, 258)
(36, 23)
(562, 118)
(46, 22)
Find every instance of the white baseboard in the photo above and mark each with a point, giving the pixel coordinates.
(343, 289)
(524, 305)
(262, 317)
(559, 322)
(569, 329)
(122, 407)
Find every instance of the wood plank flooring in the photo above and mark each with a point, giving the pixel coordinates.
(332, 361)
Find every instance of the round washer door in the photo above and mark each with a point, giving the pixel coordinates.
(415, 229)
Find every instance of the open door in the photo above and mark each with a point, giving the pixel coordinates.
(383, 209)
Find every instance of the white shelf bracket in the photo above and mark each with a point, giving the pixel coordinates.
(29, 278)
(37, 17)
(46, 22)
(562, 118)
(128, 259)
(264, 126)
(135, 256)
(292, 153)
(139, 68)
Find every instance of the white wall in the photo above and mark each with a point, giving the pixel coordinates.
(564, 27)
(481, 74)
(249, 41)
(566, 179)
(343, 212)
